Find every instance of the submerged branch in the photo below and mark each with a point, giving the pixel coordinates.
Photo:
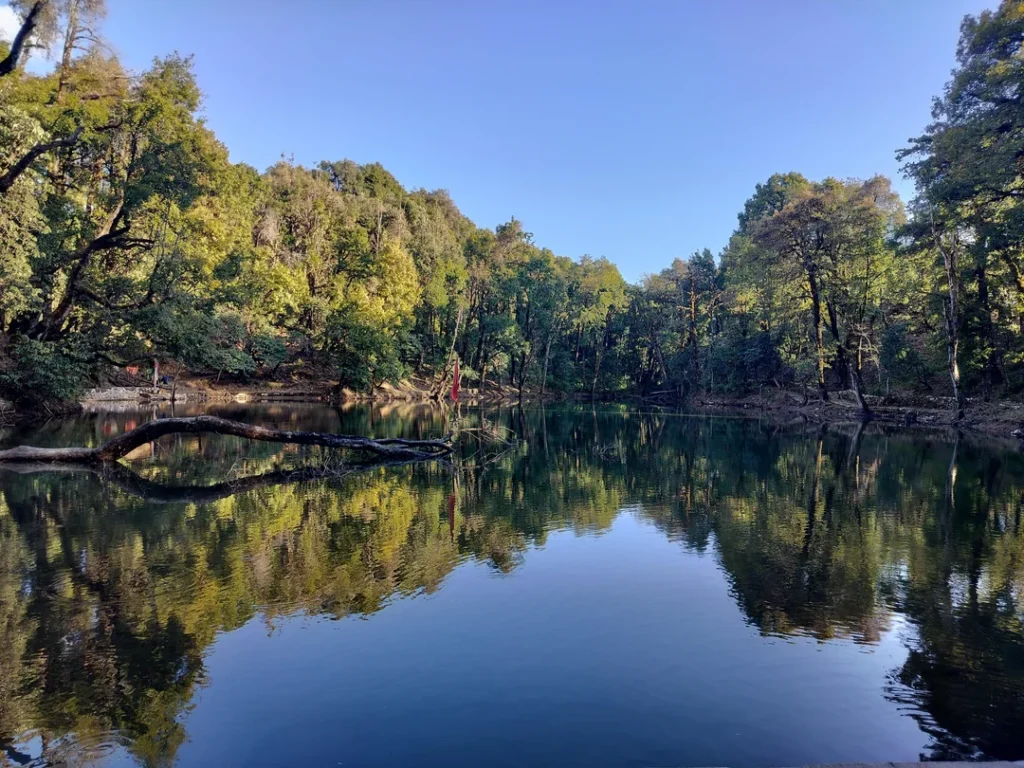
(388, 448)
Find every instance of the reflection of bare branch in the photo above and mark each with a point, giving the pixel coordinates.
(951, 475)
(157, 493)
(853, 454)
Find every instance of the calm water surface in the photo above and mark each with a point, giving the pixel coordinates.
(615, 588)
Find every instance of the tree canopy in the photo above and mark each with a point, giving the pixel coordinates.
(129, 235)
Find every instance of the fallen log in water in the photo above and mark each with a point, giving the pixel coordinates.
(120, 446)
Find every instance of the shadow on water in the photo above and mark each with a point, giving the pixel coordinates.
(113, 586)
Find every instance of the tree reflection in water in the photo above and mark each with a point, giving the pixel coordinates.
(112, 586)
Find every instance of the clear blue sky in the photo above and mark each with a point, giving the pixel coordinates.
(632, 130)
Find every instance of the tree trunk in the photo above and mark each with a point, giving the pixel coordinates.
(70, 36)
(480, 342)
(523, 365)
(599, 353)
(659, 357)
(464, 354)
(993, 362)
(949, 259)
(692, 334)
(432, 330)
(28, 26)
(1018, 282)
(395, 448)
(107, 237)
(952, 354)
(833, 327)
(819, 339)
(439, 388)
(547, 359)
(855, 384)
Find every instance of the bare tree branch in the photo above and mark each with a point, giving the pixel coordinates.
(11, 175)
(109, 236)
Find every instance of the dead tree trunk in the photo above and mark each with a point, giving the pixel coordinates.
(691, 336)
(951, 315)
(392, 447)
(21, 40)
(443, 378)
(855, 384)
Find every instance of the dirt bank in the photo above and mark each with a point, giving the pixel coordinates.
(996, 418)
(999, 419)
(200, 390)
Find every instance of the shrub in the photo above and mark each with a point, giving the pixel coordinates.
(738, 365)
(900, 361)
(39, 372)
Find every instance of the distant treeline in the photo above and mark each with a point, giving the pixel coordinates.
(128, 235)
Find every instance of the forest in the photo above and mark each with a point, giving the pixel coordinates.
(128, 236)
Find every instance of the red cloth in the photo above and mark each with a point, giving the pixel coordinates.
(455, 383)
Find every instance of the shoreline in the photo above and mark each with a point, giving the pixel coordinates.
(995, 418)
(999, 419)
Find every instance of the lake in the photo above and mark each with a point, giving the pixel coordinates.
(593, 587)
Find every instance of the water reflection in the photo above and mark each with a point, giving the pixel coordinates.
(113, 587)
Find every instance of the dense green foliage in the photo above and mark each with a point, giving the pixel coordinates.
(128, 235)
